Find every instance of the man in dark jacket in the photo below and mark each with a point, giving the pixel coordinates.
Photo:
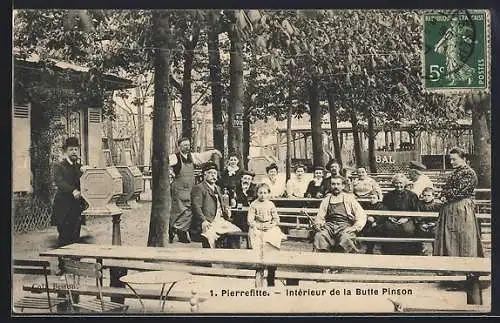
(67, 206)
(210, 214)
(246, 191)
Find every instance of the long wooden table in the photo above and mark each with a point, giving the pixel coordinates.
(472, 267)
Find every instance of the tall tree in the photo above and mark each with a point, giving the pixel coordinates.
(235, 109)
(190, 23)
(332, 108)
(160, 208)
(316, 132)
(371, 142)
(480, 105)
(215, 79)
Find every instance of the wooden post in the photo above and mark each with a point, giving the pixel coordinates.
(116, 273)
(305, 145)
(259, 278)
(474, 295)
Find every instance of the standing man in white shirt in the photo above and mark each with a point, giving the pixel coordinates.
(419, 180)
(183, 163)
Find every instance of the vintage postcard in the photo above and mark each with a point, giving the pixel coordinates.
(251, 161)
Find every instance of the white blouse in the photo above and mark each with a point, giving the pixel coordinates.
(296, 188)
(277, 188)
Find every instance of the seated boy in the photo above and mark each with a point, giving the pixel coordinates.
(426, 227)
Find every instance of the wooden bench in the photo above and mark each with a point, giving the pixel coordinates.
(301, 221)
(299, 228)
(482, 205)
(289, 275)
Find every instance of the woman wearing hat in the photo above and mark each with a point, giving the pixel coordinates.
(231, 175)
(458, 232)
(419, 180)
(316, 186)
(297, 185)
(275, 182)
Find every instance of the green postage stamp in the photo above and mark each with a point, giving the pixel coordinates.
(456, 50)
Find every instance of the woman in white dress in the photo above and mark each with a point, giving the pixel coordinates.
(297, 185)
(274, 181)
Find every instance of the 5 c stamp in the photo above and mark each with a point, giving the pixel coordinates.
(456, 50)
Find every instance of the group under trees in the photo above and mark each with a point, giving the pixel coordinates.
(360, 66)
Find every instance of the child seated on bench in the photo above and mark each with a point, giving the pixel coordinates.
(426, 228)
(263, 221)
(264, 233)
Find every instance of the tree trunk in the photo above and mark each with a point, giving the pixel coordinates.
(355, 135)
(186, 92)
(40, 152)
(371, 144)
(480, 105)
(111, 142)
(140, 126)
(235, 109)
(246, 139)
(333, 125)
(288, 142)
(215, 79)
(160, 208)
(315, 113)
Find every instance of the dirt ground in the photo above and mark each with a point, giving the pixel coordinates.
(134, 232)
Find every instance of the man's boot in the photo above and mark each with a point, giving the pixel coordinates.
(183, 236)
(171, 235)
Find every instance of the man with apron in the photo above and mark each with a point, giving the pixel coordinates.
(183, 164)
(339, 217)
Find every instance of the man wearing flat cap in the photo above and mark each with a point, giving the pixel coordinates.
(68, 202)
(246, 191)
(210, 215)
(419, 180)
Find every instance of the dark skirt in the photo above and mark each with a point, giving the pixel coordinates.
(458, 232)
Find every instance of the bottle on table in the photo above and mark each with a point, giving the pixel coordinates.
(233, 200)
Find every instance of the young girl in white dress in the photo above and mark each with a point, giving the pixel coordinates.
(263, 232)
(263, 221)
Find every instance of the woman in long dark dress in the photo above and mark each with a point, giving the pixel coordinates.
(457, 233)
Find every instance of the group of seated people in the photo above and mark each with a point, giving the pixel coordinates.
(340, 216)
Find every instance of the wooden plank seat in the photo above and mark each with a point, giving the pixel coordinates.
(36, 267)
(289, 275)
(293, 217)
(482, 205)
(297, 225)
